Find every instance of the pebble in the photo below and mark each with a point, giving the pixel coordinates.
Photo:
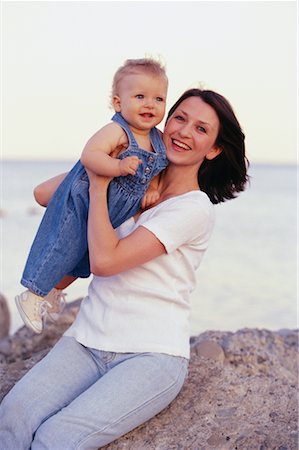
(211, 350)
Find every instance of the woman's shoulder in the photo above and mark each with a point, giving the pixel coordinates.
(196, 198)
(193, 205)
(187, 219)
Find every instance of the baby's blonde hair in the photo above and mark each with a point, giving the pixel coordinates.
(132, 66)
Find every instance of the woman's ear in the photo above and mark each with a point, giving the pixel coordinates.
(213, 153)
(116, 103)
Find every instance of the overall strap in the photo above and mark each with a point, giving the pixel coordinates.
(156, 141)
(118, 118)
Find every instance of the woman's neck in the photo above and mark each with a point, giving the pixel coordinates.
(177, 180)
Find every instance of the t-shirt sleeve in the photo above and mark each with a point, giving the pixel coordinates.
(182, 221)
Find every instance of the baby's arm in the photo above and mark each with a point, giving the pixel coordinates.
(96, 155)
(152, 193)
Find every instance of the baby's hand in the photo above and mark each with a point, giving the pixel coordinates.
(129, 165)
(149, 198)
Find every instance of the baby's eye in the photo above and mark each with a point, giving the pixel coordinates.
(140, 96)
(160, 99)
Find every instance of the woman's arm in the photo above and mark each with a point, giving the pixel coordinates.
(108, 254)
(44, 191)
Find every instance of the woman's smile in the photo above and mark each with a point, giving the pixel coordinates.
(180, 146)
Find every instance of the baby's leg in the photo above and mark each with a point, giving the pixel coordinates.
(59, 246)
(65, 282)
(45, 191)
(55, 300)
(61, 240)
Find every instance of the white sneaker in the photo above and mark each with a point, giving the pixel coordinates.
(55, 303)
(32, 308)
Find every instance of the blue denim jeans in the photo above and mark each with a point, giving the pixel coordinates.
(81, 398)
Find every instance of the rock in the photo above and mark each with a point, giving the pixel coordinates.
(4, 317)
(210, 349)
(240, 392)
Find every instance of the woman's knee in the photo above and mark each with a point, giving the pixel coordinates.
(8, 410)
(15, 409)
(42, 437)
(14, 404)
(52, 435)
(61, 431)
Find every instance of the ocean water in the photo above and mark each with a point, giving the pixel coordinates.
(248, 277)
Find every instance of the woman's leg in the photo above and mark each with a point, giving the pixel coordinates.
(135, 388)
(50, 385)
(61, 240)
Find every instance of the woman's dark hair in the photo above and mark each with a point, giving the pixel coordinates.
(224, 176)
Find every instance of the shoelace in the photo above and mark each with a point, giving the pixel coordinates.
(43, 307)
(58, 301)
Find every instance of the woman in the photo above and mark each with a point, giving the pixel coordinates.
(125, 357)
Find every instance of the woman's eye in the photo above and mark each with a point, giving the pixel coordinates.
(139, 96)
(179, 118)
(202, 129)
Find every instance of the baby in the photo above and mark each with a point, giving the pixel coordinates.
(131, 150)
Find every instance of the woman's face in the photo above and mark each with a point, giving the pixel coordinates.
(191, 132)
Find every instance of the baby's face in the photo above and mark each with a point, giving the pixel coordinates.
(141, 99)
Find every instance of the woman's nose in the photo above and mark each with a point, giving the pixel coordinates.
(185, 130)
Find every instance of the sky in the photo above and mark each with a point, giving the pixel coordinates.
(59, 58)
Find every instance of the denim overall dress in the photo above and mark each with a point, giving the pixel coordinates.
(60, 246)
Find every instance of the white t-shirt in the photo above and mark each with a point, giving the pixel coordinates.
(146, 309)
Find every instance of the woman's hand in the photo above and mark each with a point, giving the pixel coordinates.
(98, 182)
